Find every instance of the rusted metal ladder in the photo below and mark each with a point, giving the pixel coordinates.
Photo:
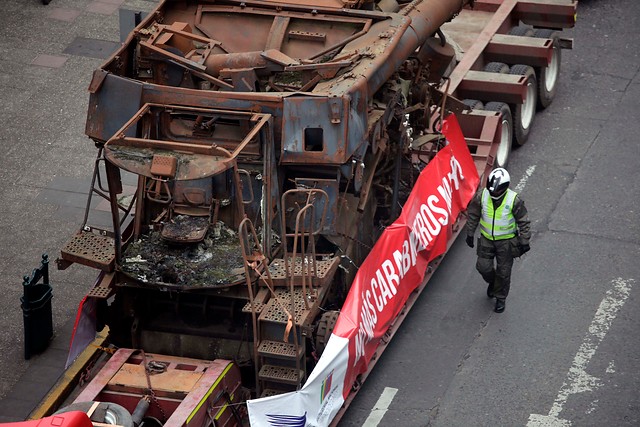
(273, 355)
(283, 303)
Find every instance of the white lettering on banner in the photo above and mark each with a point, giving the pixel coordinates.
(403, 259)
(431, 217)
(455, 176)
(415, 246)
(445, 192)
(392, 277)
(368, 317)
(444, 219)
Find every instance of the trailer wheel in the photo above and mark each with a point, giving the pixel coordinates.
(473, 104)
(105, 412)
(325, 328)
(506, 135)
(496, 67)
(548, 76)
(522, 31)
(523, 114)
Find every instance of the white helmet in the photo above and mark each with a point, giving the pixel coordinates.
(498, 182)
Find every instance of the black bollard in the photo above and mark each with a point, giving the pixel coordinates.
(36, 309)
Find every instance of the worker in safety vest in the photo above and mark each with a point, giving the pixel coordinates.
(504, 233)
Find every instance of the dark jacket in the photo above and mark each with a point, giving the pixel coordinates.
(474, 212)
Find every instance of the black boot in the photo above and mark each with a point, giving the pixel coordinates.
(499, 306)
(490, 290)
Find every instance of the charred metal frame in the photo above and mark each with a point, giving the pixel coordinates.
(183, 391)
(359, 99)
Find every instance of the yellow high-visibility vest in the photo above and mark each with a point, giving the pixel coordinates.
(498, 224)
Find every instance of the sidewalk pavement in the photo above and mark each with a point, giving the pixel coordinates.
(47, 57)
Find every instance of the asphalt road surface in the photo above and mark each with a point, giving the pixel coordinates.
(566, 350)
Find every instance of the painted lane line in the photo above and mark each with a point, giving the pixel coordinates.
(578, 381)
(527, 174)
(381, 407)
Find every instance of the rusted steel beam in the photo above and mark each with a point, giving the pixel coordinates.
(472, 55)
(426, 18)
(172, 56)
(264, 118)
(105, 374)
(483, 85)
(312, 3)
(548, 13)
(205, 150)
(539, 13)
(532, 51)
(277, 32)
(218, 379)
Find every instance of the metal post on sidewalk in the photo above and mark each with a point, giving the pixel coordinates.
(36, 309)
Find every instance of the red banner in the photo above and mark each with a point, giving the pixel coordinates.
(399, 259)
(84, 328)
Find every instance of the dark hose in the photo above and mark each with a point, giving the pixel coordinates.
(443, 40)
(141, 409)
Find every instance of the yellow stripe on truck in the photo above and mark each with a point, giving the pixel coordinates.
(206, 396)
(69, 378)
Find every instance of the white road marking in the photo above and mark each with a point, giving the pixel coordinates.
(578, 381)
(525, 178)
(380, 408)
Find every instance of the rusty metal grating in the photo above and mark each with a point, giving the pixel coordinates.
(281, 374)
(270, 392)
(277, 348)
(258, 306)
(163, 166)
(88, 248)
(274, 312)
(102, 292)
(323, 267)
(276, 268)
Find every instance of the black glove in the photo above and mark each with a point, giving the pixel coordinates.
(470, 241)
(524, 248)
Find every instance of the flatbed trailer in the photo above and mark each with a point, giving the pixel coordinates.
(252, 153)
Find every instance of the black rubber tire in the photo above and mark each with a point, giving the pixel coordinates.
(521, 30)
(496, 67)
(504, 148)
(474, 104)
(524, 114)
(106, 412)
(548, 76)
(325, 328)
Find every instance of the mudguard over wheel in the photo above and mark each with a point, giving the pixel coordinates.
(524, 114)
(506, 135)
(548, 76)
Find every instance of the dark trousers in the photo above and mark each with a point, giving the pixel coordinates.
(497, 272)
